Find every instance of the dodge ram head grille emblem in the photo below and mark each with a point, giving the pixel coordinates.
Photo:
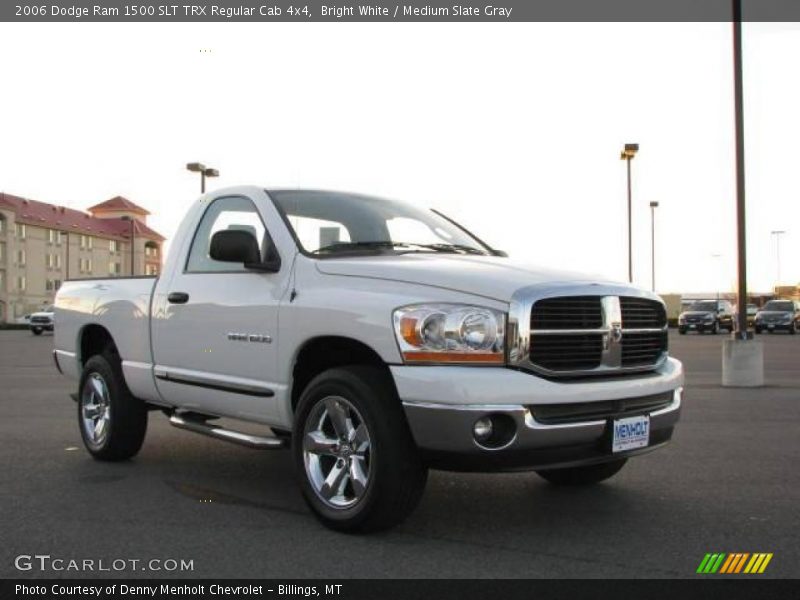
(612, 323)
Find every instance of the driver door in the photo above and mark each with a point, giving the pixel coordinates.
(214, 330)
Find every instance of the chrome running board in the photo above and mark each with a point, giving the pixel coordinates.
(237, 437)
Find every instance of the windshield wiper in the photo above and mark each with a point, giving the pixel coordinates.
(350, 246)
(445, 247)
(404, 246)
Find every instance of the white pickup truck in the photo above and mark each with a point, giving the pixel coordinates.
(374, 339)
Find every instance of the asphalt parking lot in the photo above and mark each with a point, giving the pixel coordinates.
(729, 482)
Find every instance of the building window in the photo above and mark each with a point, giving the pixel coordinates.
(21, 283)
(21, 258)
(2, 251)
(57, 284)
(151, 250)
(2, 281)
(113, 245)
(20, 230)
(54, 236)
(151, 269)
(85, 265)
(115, 268)
(2, 224)
(86, 242)
(48, 285)
(58, 261)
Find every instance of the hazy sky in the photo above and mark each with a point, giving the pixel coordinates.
(512, 129)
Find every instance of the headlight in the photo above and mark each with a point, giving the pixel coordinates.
(450, 333)
(709, 317)
(786, 318)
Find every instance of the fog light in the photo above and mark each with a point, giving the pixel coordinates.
(482, 430)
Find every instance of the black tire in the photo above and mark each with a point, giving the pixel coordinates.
(758, 330)
(682, 331)
(396, 475)
(793, 329)
(583, 475)
(714, 328)
(127, 421)
(37, 331)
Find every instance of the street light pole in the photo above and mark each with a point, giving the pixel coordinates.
(204, 172)
(653, 206)
(741, 232)
(627, 154)
(778, 234)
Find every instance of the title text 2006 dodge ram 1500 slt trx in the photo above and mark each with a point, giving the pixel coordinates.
(377, 340)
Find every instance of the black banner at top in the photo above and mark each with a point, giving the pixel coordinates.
(506, 11)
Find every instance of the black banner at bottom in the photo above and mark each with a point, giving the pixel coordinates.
(372, 589)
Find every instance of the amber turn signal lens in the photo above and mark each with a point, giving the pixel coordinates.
(493, 358)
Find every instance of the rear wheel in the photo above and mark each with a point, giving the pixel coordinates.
(583, 475)
(112, 422)
(682, 330)
(357, 462)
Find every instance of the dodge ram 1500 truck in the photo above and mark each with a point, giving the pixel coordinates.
(376, 340)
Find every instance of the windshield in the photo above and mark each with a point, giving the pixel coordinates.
(335, 223)
(704, 305)
(781, 305)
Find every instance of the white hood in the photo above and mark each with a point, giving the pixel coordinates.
(489, 276)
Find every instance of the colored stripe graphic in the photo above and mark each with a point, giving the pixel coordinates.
(734, 563)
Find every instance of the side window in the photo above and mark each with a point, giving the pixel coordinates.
(234, 212)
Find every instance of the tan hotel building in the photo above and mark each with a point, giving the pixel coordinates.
(42, 245)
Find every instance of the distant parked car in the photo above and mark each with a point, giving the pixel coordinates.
(778, 315)
(23, 320)
(42, 321)
(706, 316)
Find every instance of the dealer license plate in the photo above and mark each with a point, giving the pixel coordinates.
(630, 433)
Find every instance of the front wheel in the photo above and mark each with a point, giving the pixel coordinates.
(112, 421)
(583, 475)
(793, 329)
(358, 466)
(37, 331)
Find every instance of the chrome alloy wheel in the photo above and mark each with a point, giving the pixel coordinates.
(336, 452)
(95, 409)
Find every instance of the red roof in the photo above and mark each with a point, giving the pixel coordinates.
(118, 203)
(51, 216)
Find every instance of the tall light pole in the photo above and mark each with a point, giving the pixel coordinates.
(778, 233)
(741, 232)
(627, 154)
(653, 206)
(204, 171)
(742, 356)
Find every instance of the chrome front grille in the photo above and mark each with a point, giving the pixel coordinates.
(573, 335)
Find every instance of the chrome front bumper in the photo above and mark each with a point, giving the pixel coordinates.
(443, 403)
(444, 434)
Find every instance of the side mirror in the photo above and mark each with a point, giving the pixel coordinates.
(232, 245)
(502, 253)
